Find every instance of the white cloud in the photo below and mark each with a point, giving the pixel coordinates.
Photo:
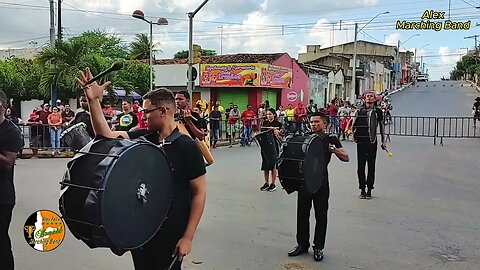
(393, 39)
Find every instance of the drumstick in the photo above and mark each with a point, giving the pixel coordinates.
(390, 154)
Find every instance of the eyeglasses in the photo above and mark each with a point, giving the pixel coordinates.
(83, 100)
(145, 111)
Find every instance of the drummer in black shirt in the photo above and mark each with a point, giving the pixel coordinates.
(318, 122)
(10, 145)
(178, 231)
(267, 167)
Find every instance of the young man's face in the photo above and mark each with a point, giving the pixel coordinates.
(249, 108)
(370, 98)
(84, 103)
(181, 101)
(125, 106)
(318, 123)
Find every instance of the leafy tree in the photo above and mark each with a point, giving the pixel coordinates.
(19, 79)
(184, 53)
(102, 43)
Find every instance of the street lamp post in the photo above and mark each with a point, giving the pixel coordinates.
(138, 14)
(190, 49)
(354, 68)
(415, 59)
(398, 58)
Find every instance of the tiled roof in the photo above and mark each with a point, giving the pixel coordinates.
(242, 58)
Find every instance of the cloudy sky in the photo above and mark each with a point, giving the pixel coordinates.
(251, 26)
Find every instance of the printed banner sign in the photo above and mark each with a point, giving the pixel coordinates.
(245, 75)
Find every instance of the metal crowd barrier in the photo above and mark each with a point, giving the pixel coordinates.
(426, 126)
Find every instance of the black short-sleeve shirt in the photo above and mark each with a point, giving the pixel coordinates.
(10, 141)
(188, 164)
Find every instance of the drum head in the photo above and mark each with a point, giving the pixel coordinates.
(266, 140)
(372, 126)
(137, 196)
(314, 166)
(121, 196)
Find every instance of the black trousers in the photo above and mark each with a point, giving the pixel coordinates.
(304, 206)
(366, 153)
(6, 255)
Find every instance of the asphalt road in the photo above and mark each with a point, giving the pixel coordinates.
(425, 213)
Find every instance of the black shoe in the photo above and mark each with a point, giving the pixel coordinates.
(317, 254)
(264, 187)
(363, 195)
(369, 194)
(297, 250)
(272, 187)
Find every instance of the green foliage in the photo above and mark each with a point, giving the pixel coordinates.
(181, 54)
(19, 78)
(102, 43)
(466, 66)
(184, 53)
(28, 79)
(140, 47)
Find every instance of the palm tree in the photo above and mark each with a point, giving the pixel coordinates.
(62, 64)
(140, 47)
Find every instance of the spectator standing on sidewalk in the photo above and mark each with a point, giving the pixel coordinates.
(215, 121)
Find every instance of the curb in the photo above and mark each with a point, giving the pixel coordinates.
(476, 86)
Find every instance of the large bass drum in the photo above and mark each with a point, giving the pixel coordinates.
(117, 193)
(302, 163)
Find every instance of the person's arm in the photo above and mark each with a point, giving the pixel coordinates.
(382, 131)
(194, 129)
(198, 186)
(49, 120)
(13, 144)
(337, 148)
(93, 92)
(7, 159)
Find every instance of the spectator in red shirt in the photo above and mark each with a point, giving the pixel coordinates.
(299, 117)
(139, 114)
(247, 116)
(334, 120)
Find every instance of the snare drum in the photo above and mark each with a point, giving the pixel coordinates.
(301, 163)
(269, 149)
(117, 193)
(76, 136)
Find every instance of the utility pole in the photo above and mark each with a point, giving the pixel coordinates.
(398, 65)
(59, 10)
(53, 86)
(190, 49)
(354, 69)
(421, 63)
(476, 51)
(52, 24)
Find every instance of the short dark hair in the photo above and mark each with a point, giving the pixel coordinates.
(128, 101)
(321, 114)
(160, 96)
(272, 110)
(3, 98)
(184, 93)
